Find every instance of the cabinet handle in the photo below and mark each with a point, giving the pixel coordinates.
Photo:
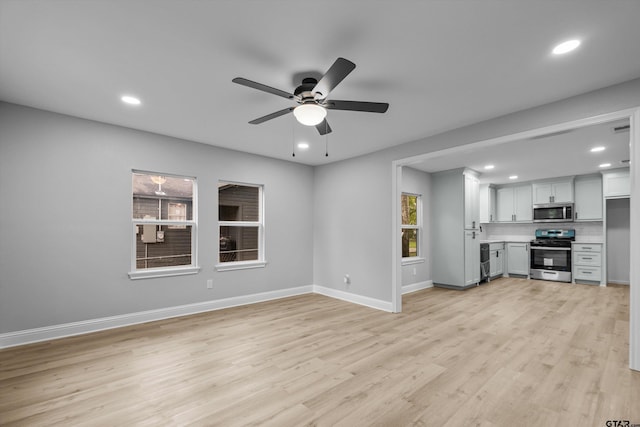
(585, 257)
(576, 215)
(587, 248)
(586, 272)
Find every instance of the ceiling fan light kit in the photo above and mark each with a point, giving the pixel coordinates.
(311, 97)
(310, 114)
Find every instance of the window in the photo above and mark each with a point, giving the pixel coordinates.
(241, 226)
(164, 225)
(411, 225)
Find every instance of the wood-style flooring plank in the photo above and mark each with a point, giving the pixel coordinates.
(511, 352)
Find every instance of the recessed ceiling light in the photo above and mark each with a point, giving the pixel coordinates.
(597, 149)
(513, 177)
(605, 165)
(131, 100)
(566, 47)
(489, 167)
(303, 145)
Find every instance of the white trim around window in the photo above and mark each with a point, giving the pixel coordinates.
(418, 257)
(260, 262)
(172, 225)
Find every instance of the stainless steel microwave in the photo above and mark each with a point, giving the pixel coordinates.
(553, 212)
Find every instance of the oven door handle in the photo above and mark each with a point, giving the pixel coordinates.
(544, 248)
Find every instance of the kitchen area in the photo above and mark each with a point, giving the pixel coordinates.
(566, 224)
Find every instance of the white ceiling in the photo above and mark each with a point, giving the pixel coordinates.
(439, 64)
(565, 153)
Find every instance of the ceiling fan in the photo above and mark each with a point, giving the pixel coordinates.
(311, 97)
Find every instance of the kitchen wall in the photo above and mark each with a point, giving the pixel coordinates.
(418, 182)
(618, 233)
(65, 226)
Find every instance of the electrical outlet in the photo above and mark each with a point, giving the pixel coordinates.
(347, 279)
(209, 283)
(415, 271)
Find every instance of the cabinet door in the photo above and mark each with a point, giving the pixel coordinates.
(588, 193)
(493, 263)
(500, 262)
(518, 258)
(616, 184)
(471, 258)
(542, 193)
(505, 201)
(523, 206)
(562, 192)
(471, 201)
(487, 204)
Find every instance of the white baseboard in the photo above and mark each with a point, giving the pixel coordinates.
(46, 333)
(353, 298)
(414, 287)
(12, 339)
(619, 282)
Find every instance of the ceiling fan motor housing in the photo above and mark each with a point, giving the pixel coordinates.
(304, 92)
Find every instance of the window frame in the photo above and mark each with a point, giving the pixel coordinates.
(192, 268)
(418, 258)
(249, 264)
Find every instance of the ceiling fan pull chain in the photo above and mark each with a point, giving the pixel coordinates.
(326, 139)
(293, 139)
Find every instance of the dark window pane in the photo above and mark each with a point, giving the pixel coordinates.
(409, 242)
(155, 195)
(238, 244)
(238, 203)
(162, 246)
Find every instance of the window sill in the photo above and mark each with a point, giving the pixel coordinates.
(164, 272)
(240, 265)
(413, 260)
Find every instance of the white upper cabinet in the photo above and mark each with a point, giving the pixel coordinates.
(553, 192)
(487, 203)
(514, 204)
(588, 195)
(616, 183)
(471, 200)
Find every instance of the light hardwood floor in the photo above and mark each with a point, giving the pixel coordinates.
(510, 353)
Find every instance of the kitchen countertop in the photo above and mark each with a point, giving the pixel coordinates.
(511, 240)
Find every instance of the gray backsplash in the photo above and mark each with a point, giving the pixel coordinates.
(590, 232)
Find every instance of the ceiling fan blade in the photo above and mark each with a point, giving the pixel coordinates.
(369, 107)
(338, 71)
(260, 86)
(271, 116)
(323, 127)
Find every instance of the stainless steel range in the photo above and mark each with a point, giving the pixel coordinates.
(551, 255)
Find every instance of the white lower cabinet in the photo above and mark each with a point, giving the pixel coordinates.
(518, 259)
(496, 260)
(471, 258)
(587, 263)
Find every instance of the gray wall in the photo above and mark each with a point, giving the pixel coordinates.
(65, 227)
(418, 182)
(352, 198)
(618, 243)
